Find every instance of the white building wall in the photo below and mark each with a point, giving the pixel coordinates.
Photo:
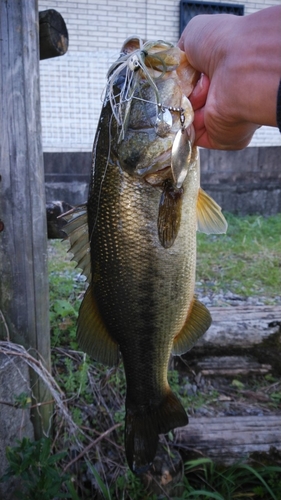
(72, 85)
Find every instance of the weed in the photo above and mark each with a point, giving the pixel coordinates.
(23, 401)
(37, 467)
(205, 480)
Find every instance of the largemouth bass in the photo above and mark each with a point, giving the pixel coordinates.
(135, 239)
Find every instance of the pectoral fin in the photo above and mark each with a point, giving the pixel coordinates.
(169, 215)
(92, 334)
(197, 323)
(210, 220)
(78, 235)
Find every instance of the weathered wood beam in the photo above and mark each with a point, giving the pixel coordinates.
(53, 34)
(244, 325)
(230, 366)
(24, 293)
(227, 440)
(242, 331)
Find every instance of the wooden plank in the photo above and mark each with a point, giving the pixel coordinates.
(252, 331)
(242, 325)
(239, 327)
(230, 366)
(229, 439)
(23, 241)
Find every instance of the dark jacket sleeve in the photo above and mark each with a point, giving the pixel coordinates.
(278, 113)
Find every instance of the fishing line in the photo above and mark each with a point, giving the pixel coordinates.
(160, 105)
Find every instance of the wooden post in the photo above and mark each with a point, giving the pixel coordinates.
(24, 301)
(53, 34)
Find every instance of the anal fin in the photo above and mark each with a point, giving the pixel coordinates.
(92, 334)
(197, 323)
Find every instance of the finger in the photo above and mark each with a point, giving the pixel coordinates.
(201, 136)
(194, 44)
(198, 122)
(203, 139)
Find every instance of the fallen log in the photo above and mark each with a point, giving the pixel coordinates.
(227, 440)
(242, 325)
(252, 331)
(231, 366)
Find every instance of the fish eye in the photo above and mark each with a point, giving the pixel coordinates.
(133, 63)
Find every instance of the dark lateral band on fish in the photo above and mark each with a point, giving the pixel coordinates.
(135, 238)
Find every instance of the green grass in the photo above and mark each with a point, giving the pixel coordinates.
(246, 260)
(205, 480)
(67, 287)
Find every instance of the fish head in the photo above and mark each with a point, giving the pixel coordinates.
(149, 109)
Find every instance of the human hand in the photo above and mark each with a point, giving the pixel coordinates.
(240, 62)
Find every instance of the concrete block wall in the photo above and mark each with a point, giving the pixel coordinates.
(242, 182)
(72, 85)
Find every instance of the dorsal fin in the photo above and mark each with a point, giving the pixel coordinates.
(210, 219)
(197, 323)
(78, 235)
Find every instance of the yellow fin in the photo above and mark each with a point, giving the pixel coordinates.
(78, 236)
(197, 323)
(210, 219)
(92, 334)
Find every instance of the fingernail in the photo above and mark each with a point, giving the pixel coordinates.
(201, 80)
(199, 86)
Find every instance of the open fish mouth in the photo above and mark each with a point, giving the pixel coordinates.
(159, 165)
(173, 163)
(159, 177)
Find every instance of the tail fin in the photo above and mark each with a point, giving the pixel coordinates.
(143, 429)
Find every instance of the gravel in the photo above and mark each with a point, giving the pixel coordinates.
(227, 298)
